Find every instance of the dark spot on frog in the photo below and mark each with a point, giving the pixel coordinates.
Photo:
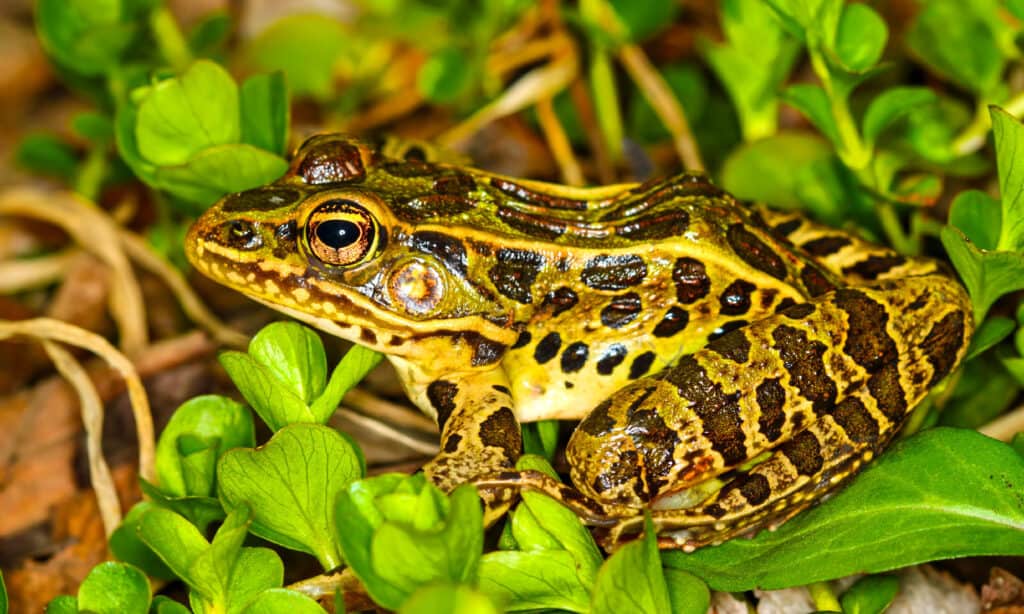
(569, 385)
(826, 246)
(560, 300)
(618, 473)
(691, 278)
(598, 422)
(485, 351)
(501, 430)
(501, 389)
(919, 302)
(802, 358)
(754, 487)
(240, 235)
(515, 272)
(656, 442)
(755, 252)
(441, 394)
(532, 225)
(799, 312)
(547, 348)
(415, 152)
(611, 358)
(447, 249)
(815, 282)
(522, 340)
(526, 195)
(674, 320)
(734, 346)
(331, 161)
(621, 310)
(855, 419)
(726, 328)
(942, 344)
(285, 236)
(614, 272)
(660, 225)
(454, 183)
(714, 510)
(874, 266)
(718, 412)
(574, 357)
(452, 443)
(368, 336)
(735, 299)
(788, 227)
(768, 297)
(641, 365)
(884, 385)
(260, 199)
(867, 342)
(431, 206)
(804, 451)
(771, 397)
(784, 304)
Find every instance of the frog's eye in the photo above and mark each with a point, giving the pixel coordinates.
(342, 233)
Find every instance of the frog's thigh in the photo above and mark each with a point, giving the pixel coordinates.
(480, 435)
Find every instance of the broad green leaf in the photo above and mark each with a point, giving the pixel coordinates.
(1009, 137)
(114, 588)
(200, 511)
(860, 37)
(992, 331)
(985, 391)
(265, 112)
(812, 21)
(126, 545)
(217, 422)
(687, 82)
(958, 44)
(277, 600)
(275, 404)
(765, 170)
(211, 571)
(219, 170)
(631, 580)
(87, 36)
(891, 105)
(687, 592)
(256, 570)
(541, 438)
(47, 155)
(93, 126)
(207, 37)
(174, 539)
(986, 274)
(1016, 7)
(541, 579)
(291, 484)
(870, 595)
(180, 117)
(812, 101)
(4, 604)
(643, 19)
(294, 354)
(448, 598)
(166, 605)
(65, 604)
(978, 216)
(306, 48)
(445, 76)
(940, 494)
(357, 362)
(564, 529)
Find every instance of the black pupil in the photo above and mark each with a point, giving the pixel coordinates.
(337, 234)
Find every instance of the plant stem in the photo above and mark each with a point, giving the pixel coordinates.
(972, 138)
(91, 173)
(894, 229)
(169, 39)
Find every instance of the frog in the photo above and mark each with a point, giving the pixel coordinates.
(728, 364)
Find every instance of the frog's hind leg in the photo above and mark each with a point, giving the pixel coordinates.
(480, 435)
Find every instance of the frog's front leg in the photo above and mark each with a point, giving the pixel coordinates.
(480, 434)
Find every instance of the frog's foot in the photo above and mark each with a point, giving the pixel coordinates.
(590, 512)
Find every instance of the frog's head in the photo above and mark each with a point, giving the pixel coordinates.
(323, 244)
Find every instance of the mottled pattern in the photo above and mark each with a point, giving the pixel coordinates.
(514, 273)
(614, 272)
(442, 397)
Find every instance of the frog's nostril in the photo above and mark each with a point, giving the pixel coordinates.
(241, 234)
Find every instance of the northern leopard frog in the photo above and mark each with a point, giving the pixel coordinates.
(691, 334)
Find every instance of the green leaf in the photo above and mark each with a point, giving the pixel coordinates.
(4, 604)
(126, 545)
(93, 126)
(65, 604)
(1009, 137)
(87, 36)
(166, 605)
(173, 538)
(1016, 7)
(992, 331)
(541, 438)
(180, 117)
(278, 600)
(766, 170)
(891, 105)
(265, 112)
(445, 76)
(687, 592)
(217, 422)
(306, 48)
(643, 19)
(860, 37)
(563, 529)
(448, 598)
(47, 155)
(220, 170)
(540, 579)
(200, 511)
(294, 354)
(686, 80)
(210, 571)
(985, 391)
(870, 595)
(272, 401)
(940, 494)
(812, 101)
(954, 41)
(291, 484)
(354, 366)
(256, 570)
(114, 588)
(209, 34)
(631, 580)
(978, 216)
(986, 274)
